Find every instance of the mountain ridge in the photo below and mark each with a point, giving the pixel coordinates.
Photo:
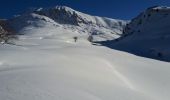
(146, 35)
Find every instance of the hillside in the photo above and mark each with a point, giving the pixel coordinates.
(147, 35)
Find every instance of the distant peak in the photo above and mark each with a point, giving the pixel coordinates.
(64, 7)
(61, 14)
(59, 8)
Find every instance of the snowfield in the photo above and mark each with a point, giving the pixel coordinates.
(60, 69)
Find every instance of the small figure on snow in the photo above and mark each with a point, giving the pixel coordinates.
(90, 38)
(75, 38)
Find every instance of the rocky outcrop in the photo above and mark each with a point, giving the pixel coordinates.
(6, 32)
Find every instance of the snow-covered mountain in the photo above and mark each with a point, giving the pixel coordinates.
(148, 34)
(62, 17)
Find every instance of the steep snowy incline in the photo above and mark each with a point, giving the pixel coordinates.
(148, 34)
(99, 28)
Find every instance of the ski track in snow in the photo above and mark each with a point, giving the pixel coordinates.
(120, 75)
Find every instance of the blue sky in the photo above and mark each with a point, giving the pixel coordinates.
(120, 9)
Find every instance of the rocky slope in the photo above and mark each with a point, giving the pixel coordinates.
(4, 31)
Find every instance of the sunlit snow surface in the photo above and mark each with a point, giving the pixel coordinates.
(57, 68)
(46, 64)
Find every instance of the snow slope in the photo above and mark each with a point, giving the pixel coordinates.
(148, 34)
(60, 69)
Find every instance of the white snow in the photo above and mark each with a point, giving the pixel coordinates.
(59, 69)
